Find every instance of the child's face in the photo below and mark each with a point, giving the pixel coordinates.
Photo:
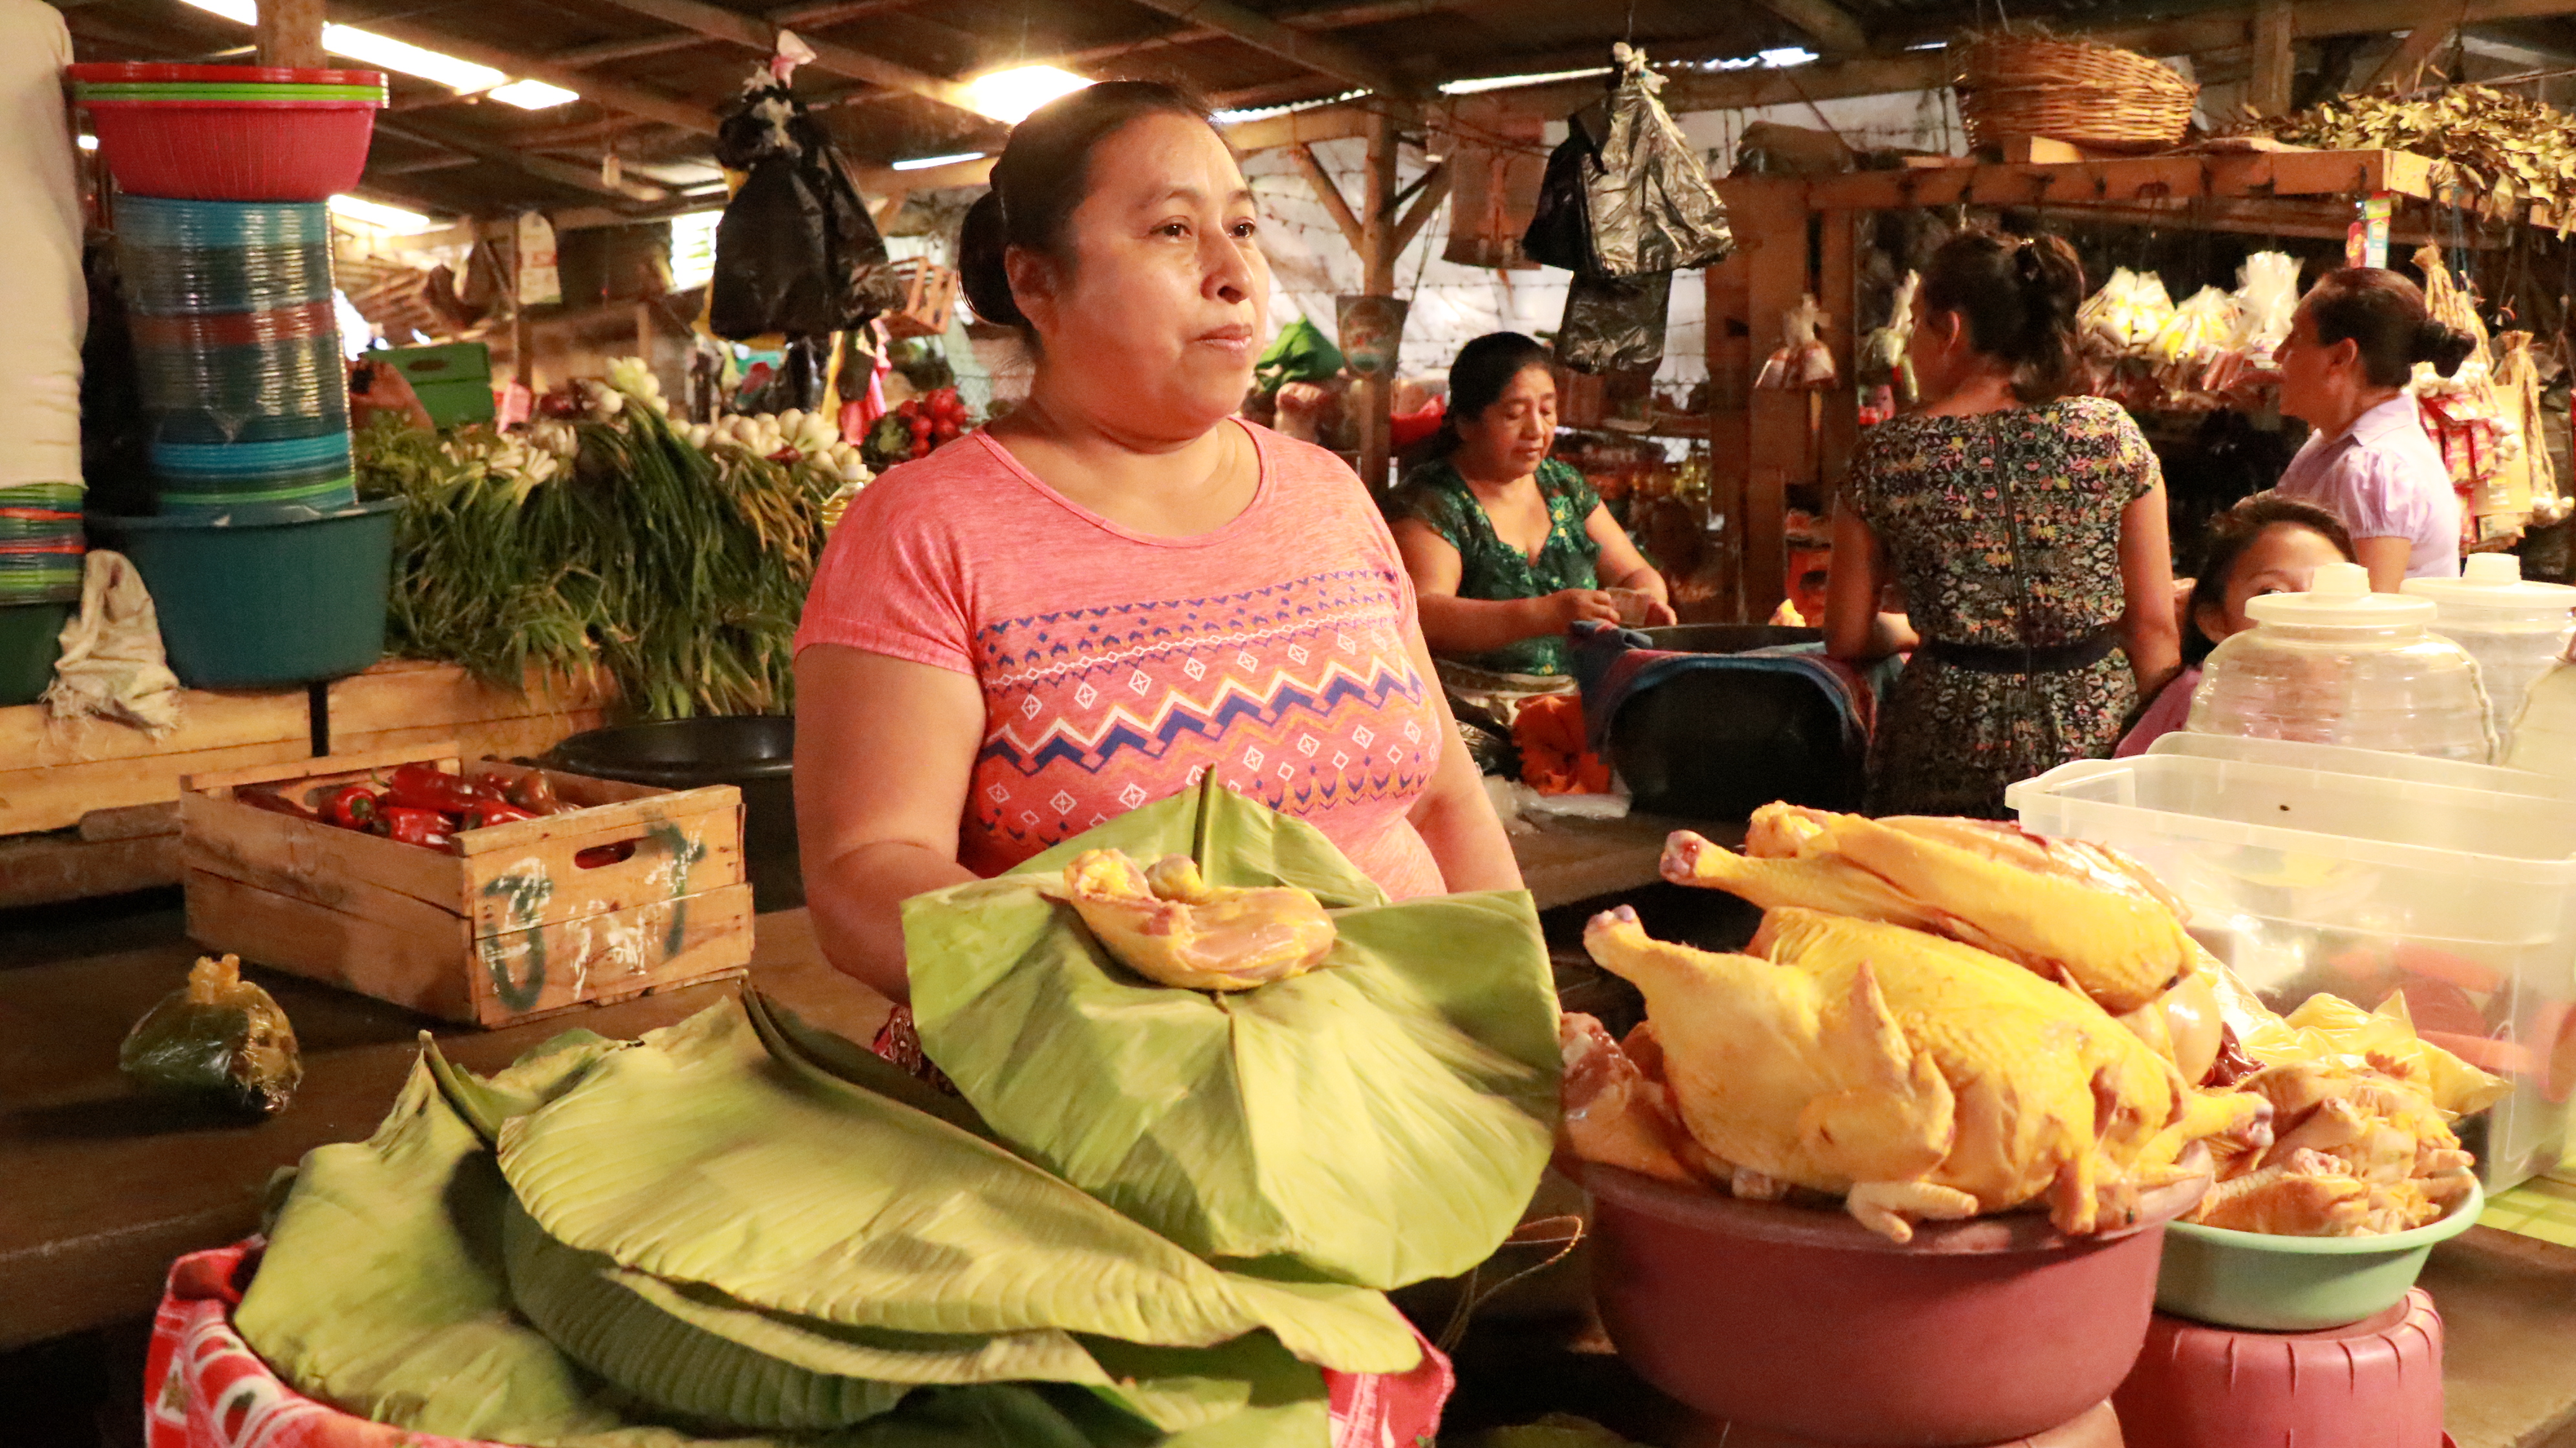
(2282, 560)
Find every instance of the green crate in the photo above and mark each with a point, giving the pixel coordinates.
(452, 404)
(30, 641)
(447, 362)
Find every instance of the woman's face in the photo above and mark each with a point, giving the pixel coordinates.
(2317, 381)
(1511, 437)
(2282, 560)
(1154, 330)
(1937, 347)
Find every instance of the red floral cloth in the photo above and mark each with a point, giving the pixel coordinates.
(204, 1388)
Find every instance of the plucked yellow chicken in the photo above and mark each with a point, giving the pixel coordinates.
(2359, 1149)
(1168, 924)
(2056, 906)
(1917, 1077)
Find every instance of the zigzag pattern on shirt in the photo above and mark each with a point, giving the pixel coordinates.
(1085, 662)
(1232, 705)
(1078, 634)
(1266, 765)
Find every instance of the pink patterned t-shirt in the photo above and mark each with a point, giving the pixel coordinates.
(1118, 667)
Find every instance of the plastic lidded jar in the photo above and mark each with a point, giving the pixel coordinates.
(2340, 664)
(2517, 631)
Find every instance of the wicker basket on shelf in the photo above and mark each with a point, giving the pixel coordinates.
(2068, 90)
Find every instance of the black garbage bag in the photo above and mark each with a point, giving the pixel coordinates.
(1613, 324)
(1625, 194)
(796, 252)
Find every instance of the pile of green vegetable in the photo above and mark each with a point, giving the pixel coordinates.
(610, 541)
(745, 1229)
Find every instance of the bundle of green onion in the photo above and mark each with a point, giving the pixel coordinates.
(680, 571)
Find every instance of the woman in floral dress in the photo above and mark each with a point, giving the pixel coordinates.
(2025, 530)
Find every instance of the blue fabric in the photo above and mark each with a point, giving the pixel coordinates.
(1611, 665)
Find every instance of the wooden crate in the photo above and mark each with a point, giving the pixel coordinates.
(508, 928)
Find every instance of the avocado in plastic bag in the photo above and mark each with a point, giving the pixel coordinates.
(219, 1037)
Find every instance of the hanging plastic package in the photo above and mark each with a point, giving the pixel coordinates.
(1614, 324)
(1626, 194)
(1301, 353)
(796, 253)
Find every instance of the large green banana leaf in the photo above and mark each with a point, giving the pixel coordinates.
(699, 1157)
(1380, 1120)
(382, 1291)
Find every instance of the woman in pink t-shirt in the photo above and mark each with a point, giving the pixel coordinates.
(1117, 587)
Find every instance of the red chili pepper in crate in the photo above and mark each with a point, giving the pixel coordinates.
(411, 825)
(273, 802)
(494, 812)
(351, 806)
(417, 786)
(535, 793)
(598, 855)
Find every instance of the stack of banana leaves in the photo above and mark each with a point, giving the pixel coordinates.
(1155, 1216)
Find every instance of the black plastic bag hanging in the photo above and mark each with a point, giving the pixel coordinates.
(1625, 194)
(1614, 324)
(796, 252)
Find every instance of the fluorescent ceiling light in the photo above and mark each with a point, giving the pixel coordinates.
(391, 54)
(1263, 113)
(924, 163)
(1507, 82)
(1009, 95)
(693, 249)
(379, 215)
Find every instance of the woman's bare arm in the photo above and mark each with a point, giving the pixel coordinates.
(2148, 629)
(2387, 559)
(1855, 630)
(1455, 625)
(1622, 566)
(1455, 817)
(884, 749)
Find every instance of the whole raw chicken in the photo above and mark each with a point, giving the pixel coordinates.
(1169, 925)
(1917, 1077)
(2056, 906)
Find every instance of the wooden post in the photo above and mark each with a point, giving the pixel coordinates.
(1730, 438)
(644, 331)
(523, 347)
(2268, 92)
(1838, 292)
(1376, 395)
(289, 33)
(1772, 227)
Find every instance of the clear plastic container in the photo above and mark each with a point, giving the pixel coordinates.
(2544, 734)
(2342, 665)
(2313, 870)
(2516, 631)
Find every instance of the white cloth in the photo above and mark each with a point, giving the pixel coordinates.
(112, 665)
(44, 302)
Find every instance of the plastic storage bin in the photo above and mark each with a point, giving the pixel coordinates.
(2342, 665)
(2327, 876)
(2517, 631)
(266, 596)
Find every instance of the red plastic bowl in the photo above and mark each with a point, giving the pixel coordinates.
(1800, 1321)
(234, 150)
(156, 73)
(2373, 1384)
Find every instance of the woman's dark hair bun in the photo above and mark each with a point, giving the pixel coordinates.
(2019, 296)
(2443, 345)
(1041, 177)
(980, 272)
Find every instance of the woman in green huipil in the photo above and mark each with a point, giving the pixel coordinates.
(1508, 549)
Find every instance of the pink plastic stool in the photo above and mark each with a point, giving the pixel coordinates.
(2097, 1428)
(2373, 1384)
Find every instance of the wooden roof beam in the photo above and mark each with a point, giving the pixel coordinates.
(761, 34)
(635, 100)
(1330, 17)
(544, 168)
(1829, 25)
(788, 17)
(1318, 53)
(2405, 65)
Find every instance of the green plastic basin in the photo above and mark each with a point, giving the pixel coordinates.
(2295, 1284)
(30, 641)
(265, 596)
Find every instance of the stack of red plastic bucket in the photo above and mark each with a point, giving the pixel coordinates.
(223, 238)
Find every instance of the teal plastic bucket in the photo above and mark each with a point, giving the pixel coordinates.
(30, 641)
(264, 596)
(2296, 1284)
